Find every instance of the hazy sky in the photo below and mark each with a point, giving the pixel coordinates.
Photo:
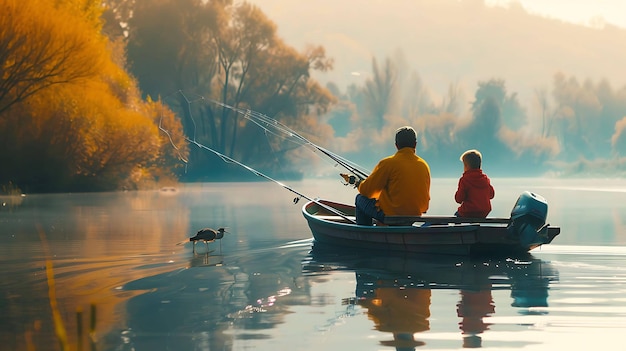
(576, 11)
(458, 41)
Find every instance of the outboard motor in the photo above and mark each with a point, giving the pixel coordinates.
(528, 219)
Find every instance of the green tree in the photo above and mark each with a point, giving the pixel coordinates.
(417, 100)
(513, 114)
(379, 91)
(168, 48)
(547, 113)
(578, 111)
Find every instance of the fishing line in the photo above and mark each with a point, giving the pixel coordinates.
(265, 122)
(200, 98)
(278, 129)
(269, 143)
(228, 159)
(169, 136)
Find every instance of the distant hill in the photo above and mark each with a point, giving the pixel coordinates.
(449, 41)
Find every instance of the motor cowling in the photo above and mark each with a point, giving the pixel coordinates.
(528, 219)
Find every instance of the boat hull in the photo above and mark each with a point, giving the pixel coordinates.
(330, 224)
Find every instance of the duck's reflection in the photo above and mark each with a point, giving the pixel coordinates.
(396, 290)
(205, 259)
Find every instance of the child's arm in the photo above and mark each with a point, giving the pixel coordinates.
(460, 194)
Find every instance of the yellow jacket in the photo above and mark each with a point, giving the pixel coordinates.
(400, 183)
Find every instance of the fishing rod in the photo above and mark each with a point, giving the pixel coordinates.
(264, 121)
(257, 173)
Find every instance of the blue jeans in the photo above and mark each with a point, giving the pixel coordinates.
(366, 210)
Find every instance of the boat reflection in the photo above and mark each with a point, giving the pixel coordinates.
(395, 289)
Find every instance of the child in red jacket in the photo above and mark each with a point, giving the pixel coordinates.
(475, 190)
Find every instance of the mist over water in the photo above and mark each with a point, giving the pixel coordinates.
(266, 287)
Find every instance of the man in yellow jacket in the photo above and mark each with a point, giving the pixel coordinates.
(399, 185)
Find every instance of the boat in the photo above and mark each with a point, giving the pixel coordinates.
(334, 224)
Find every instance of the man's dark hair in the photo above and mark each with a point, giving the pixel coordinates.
(406, 137)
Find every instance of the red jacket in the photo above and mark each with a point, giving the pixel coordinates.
(474, 194)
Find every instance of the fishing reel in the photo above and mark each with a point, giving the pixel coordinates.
(351, 180)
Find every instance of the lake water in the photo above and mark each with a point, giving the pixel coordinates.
(106, 271)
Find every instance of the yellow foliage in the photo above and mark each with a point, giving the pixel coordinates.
(108, 137)
(100, 139)
(42, 45)
(174, 149)
(89, 11)
(64, 94)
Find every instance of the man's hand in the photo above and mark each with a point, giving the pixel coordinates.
(345, 177)
(350, 179)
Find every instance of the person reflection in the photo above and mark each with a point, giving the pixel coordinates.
(400, 311)
(473, 306)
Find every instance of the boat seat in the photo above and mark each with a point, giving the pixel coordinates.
(409, 220)
(403, 220)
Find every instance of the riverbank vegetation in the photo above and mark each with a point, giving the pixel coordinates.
(71, 116)
(98, 96)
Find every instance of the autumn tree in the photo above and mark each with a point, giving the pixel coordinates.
(72, 118)
(173, 147)
(229, 53)
(41, 46)
(260, 71)
(116, 14)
